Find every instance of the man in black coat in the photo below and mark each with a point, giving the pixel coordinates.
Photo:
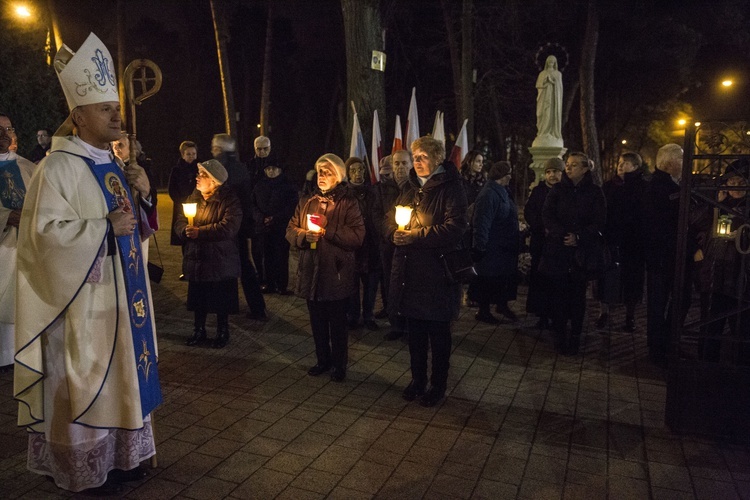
(624, 235)
(367, 257)
(262, 159)
(273, 201)
(661, 206)
(223, 148)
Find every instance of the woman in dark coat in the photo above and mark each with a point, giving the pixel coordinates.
(273, 201)
(624, 237)
(724, 275)
(538, 300)
(211, 262)
(182, 182)
(495, 244)
(420, 290)
(474, 177)
(574, 215)
(326, 272)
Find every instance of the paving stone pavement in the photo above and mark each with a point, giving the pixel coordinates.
(519, 421)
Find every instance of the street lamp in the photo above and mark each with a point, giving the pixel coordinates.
(22, 11)
(727, 83)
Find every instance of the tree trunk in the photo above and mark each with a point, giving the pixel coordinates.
(265, 93)
(456, 61)
(467, 69)
(221, 34)
(588, 112)
(363, 33)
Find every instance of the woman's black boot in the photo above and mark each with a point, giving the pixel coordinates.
(222, 337)
(199, 335)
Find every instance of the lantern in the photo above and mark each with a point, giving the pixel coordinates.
(724, 227)
(189, 210)
(313, 221)
(403, 216)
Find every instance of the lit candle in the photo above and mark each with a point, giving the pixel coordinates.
(312, 219)
(189, 210)
(403, 216)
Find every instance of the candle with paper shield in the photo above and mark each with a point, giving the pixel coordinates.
(189, 210)
(403, 216)
(313, 224)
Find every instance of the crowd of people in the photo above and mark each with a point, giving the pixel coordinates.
(84, 342)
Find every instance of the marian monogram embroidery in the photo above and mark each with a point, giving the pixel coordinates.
(12, 196)
(99, 79)
(144, 363)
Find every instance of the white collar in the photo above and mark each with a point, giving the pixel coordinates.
(100, 156)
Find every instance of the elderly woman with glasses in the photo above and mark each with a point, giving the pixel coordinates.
(211, 262)
(420, 291)
(574, 214)
(326, 229)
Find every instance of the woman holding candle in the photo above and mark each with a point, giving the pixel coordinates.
(326, 229)
(211, 262)
(420, 290)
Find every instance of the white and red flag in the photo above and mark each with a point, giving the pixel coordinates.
(438, 129)
(461, 147)
(412, 121)
(398, 138)
(357, 146)
(376, 149)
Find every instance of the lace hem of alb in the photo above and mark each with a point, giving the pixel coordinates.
(79, 467)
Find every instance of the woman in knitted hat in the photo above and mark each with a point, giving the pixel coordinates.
(326, 229)
(211, 262)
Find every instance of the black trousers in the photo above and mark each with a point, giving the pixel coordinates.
(386, 257)
(423, 335)
(271, 257)
(568, 297)
(249, 279)
(328, 323)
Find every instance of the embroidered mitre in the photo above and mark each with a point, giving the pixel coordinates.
(86, 76)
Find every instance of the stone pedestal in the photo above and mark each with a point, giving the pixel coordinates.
(539, 155)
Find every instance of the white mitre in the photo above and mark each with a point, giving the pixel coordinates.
(86, 76)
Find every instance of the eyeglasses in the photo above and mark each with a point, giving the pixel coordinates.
(9, 130)
(263, 149)
(201, 175)
(42, 135)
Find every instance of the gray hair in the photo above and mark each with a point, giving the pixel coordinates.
(669, 153)
(225, 141)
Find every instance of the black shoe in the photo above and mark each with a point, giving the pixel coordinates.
(486, 317)
(393, 335)
(413, 391)
(338, 375)
(267, 289)
(602, 320)
(629, 325)
(257, 316)
(286, 292)
(352, 324)
(432, 397)
(199, 336)
(125, 476)
(318, 370)
(382, 314)
(222, 339)
(371, 325)
(505, 311)
(182, 278)
(472, 303)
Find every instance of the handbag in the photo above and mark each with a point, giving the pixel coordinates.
(155, 272)
(458, 266)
